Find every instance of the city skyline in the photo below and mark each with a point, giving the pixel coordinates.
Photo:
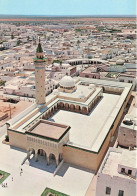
(71, 8)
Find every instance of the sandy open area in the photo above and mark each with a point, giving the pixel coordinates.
(15, 109)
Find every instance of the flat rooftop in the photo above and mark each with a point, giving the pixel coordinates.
(48, 129)
(85, 129)
(113, 160)
(128, 159)
(80, 89)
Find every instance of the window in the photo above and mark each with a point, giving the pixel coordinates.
(129, 172)
(121, 80)
(121, 193)
(122, 170)
(108, 190)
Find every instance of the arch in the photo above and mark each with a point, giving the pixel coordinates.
(52, 111)
(55, 108)
(41, 152)
(61, 104)
(46, 116)
(72, 107)
(66, 106)
(49, 114)
(58, 105)
(84, 110)
(78, 108)
(52, 158)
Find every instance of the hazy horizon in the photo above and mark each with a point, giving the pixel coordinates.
(36, 15)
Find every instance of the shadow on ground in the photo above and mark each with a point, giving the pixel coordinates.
(42, 165)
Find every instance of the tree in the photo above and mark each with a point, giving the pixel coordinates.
(2, 83)
(12, 36)
(28, 38)
(18, 42)
(78, 42)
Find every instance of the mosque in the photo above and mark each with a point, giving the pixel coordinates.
(76, 123)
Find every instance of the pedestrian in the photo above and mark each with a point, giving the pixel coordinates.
(12, 178)
(6, 184)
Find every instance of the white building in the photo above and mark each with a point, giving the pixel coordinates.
(117, 174)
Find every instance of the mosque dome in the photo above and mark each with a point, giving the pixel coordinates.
(67, 81)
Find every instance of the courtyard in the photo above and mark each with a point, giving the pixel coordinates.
(86, 128)
(37, 176)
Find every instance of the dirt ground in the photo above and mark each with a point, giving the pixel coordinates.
(15, 109)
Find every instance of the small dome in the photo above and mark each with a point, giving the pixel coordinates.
(55, 92)
(67, 81)
(91, 86)
(120, 62)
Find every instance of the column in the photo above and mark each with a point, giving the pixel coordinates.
(57, 161)
(36, 156)
(47, 160)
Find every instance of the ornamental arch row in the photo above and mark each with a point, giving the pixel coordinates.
(49, 156)
(71, 107)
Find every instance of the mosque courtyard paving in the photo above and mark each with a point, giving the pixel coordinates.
(36, 176)
(86, 128)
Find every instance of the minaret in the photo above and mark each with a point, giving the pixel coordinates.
(39, 63)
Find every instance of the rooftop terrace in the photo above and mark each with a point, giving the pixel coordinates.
(49, 129)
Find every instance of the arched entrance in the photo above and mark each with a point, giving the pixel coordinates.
(39, 154)
(53, 159)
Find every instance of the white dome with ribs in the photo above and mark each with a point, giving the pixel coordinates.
(67, 81)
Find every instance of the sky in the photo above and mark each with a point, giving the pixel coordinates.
(68, 7)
